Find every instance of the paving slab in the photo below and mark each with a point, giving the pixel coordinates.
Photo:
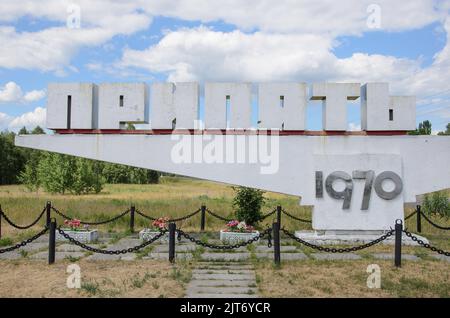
(284, 256)
(128, 257)
(223, 290)
(165, 256)
(229, 277)
(124, 243)
(265, 249)
(223, 266)
(11, 255)
(225, 256)
(336, 256)
(390, 256)
(212, 283)
(441, 257)
(222, 271)
(58, 255)
(178, 248)
(103, 257)
(35, 247)
(69, 248)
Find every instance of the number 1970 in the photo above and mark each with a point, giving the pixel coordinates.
(370, 179)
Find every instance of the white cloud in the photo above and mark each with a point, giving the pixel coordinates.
(5, 119)
(304, 16)
(51, 49)
(29, 120)
(34, 95)
(12, 93)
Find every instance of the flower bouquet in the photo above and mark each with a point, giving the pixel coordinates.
(80, 232)
(237, 232)
(154, 229)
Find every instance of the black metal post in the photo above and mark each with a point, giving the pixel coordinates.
(276, 242)
(132, 209)
(48, 209)
(203, 218)
(398, 243)
(279, 215)
(172, 230)
(52, 242)
(1, 213)
(419, 219)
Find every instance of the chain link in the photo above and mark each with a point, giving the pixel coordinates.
(108, 252)
(411, 215)
(170, 220)
(268, 214)
(19, 226)
(294, 217)
(222, 247)
(434, 224)
(426, 245)
(92, 223)
(218, 216)
(23, 243)
(339, 250)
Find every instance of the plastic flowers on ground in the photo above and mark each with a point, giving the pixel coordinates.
(240, 227)
(75, 225)
(160, 224)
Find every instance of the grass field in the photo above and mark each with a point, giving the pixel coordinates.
(173, 197)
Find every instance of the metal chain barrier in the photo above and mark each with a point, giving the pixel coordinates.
(294, 217)
(115, 252)
(23, 243)
(434, 224)
(171, 220)
(426, 245)
(19, 226)
(92, 223)
(339, 250)
(222, 247)
(411, 215)
(218, 216)
(268, 214)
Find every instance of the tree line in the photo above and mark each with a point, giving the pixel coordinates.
(57, 173)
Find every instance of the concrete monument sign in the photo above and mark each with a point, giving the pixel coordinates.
(356, 181)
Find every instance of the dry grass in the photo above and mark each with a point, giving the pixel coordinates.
(98, 279)
(349, 279)
(174, 197)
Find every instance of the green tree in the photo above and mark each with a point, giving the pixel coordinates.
(423, 129)
(247, 204)
(12, 159)
(38, 131)
(446, 132)
(23, 131)
(55, 172)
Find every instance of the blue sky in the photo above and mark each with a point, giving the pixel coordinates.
(233, 41)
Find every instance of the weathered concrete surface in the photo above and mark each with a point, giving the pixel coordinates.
(408, 257)
(225, 256)
(58, 255)
(343, 256)
(283, 256)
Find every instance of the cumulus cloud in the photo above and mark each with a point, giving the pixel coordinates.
(5, 119)
(51, 49)
(12, 93)
(29, 120)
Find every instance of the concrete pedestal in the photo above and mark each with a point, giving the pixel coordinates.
(331, 237)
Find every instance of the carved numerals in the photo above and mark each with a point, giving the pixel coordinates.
(370, 181)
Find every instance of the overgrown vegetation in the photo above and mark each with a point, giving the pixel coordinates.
(247, 204)
(56, 173)
(437, 204)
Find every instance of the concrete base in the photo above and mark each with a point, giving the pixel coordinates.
(351, 237)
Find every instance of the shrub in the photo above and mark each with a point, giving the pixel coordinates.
(437, 203)
(247, 204)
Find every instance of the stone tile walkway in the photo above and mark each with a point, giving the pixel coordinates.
(222, 280)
